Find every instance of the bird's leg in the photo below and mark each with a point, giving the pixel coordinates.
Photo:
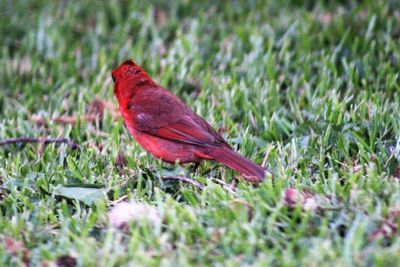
(195, 167)
(209, 170)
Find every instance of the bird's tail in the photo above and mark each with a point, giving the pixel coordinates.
(251, 171)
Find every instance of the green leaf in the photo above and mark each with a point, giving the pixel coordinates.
(85, 193)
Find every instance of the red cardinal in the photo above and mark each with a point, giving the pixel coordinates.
(167, 128)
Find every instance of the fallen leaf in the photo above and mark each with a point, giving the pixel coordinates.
(325, 18)
(94, 111)
(310, 203)
(238, 202)
(397, 173)
(66, 261)
(291, 197)
(160, 17)
(120, 161)
(389, 227)
(216, 235)
(112, 109)
(25, 65)
(386, 230)
(162, 49)
(125, 212)
(66, 119)
(17, 249)
(306, 200)
(96, 107)
(38, 119)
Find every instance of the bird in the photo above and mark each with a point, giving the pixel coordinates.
(168, 129)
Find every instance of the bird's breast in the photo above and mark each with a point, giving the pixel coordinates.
(165, 150)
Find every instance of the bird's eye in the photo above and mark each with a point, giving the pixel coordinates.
(113, 77)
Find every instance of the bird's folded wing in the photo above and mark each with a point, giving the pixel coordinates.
(185, 130)
(163, 115)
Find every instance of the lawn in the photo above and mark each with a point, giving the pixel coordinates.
(308, 89)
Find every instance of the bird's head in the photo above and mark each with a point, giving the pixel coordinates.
(128, 77)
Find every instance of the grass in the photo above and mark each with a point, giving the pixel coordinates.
(309, 89)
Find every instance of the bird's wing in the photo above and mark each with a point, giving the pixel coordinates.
(161, 114)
